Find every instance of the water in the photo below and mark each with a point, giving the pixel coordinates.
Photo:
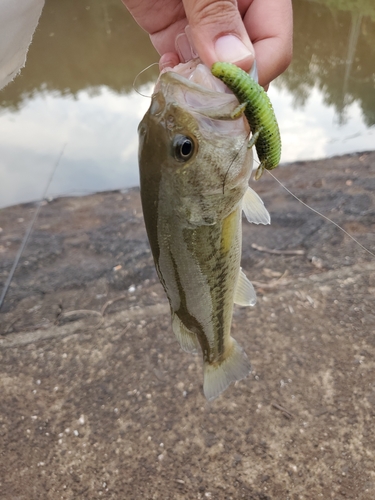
(76, 89)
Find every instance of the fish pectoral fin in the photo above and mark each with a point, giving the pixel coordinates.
(254, 208)
(187, 339)
(218, 376)
(244, 294)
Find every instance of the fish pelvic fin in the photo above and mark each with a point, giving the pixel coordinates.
(254, 208)
(244, 294)
(188, 340)
(217, 377)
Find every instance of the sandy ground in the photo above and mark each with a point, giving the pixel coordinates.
(98, 400)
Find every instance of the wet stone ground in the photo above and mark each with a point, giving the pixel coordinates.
(98, 400)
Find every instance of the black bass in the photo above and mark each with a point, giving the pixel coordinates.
(194, 172)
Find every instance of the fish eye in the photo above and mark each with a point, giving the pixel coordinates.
(183, 147)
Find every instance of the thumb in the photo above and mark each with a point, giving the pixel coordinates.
(218, 32)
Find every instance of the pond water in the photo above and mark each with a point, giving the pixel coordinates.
(73, 106)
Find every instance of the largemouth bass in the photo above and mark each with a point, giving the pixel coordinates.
(194, 172)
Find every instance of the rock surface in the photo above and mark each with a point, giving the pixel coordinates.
(98, 400)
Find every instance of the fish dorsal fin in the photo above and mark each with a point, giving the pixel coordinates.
(187, 339)
(244, 294)
(254, 208)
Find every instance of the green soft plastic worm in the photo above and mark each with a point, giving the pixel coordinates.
(259, 113)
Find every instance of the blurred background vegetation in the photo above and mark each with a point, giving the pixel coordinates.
(88, 44)
(82, 45)
(334, 50)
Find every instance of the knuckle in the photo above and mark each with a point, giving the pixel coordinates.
(208, 11)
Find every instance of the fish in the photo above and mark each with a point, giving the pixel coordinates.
(194, 169)
(258, 110)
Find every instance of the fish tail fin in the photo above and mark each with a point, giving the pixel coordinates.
(217, 378)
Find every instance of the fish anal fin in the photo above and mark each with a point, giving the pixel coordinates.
(244, 294)
(187, 339)
(254, 208)
(217, 377)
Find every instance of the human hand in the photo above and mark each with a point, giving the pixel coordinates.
(220, 30)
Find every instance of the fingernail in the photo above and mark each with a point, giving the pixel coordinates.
(231, 49)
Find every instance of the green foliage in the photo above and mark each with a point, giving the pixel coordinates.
(85, 45)
(364, 7)
(79, 45)
(334, 51)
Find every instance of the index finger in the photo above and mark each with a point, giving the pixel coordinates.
(270, 27)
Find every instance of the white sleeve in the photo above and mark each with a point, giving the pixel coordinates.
(18, 20)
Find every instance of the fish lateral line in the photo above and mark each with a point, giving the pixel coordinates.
(321, 215)
(136, 78)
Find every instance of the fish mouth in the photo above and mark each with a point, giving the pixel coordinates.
(193, 86)
(196, 76)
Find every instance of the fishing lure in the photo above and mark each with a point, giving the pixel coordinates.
(257, 107)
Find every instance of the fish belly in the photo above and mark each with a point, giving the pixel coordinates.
(199, 269)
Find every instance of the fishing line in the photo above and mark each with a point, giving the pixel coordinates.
(136, 78)
(233, 160)
(321, 215)
(29, 230)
